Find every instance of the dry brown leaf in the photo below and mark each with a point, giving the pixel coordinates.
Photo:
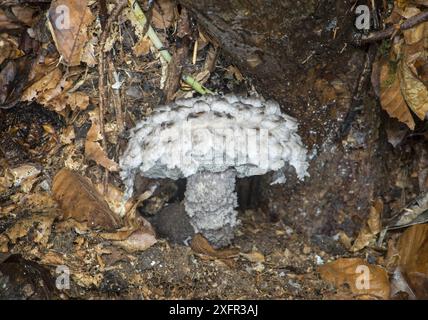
(39, 224)
(68, 22)
(138, 240)
(78, 272)
(77, 100)
(413, 258)
(7, 22)
(94, 133)
(68, 135)
(23, 172)
(79, 200)
(371, 229)
(47, 82)
(72, 225)
(415, 34)
(94, 151)
(414, 91)
(115, 199)
(345, 240)
(9, 48)
(234, 72)
(4, 243)
(137, 235)
(39, 201)
(254, 256)
(362, 278)
(164, 14)
(25, 14)
(142, 47)
(391, 99)
(201, 245)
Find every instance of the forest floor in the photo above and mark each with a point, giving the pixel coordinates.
(61, 236)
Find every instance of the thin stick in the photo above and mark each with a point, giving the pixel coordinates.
(389, 32)
(120, 5)
(139, 14)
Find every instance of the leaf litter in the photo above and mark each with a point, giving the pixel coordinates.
(63, 210)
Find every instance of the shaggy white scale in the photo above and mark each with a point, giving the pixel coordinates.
(211, 140)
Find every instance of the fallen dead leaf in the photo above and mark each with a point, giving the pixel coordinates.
(77, 101)
(4, 243)
(414, 91)
(362, 278)
(23, 172)
(68, 21)
(7, 22)
(94, 151)
(201, 245)
(25, 14)
(142, 47)
(68, 135)
(115, 199)
(79, 200)
(137, 234)
(47, 82)
(234, 72)
(371, 229)
(413, 258)
(39, 224)
(133, 240)
(254, 256)
(9, 48)
(391, 99)
(345, 240)
(164, 14)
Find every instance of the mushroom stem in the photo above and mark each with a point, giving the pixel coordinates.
(210, 202)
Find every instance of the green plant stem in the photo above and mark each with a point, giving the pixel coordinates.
(151, 33)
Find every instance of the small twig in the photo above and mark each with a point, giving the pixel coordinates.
(139, 14)
(120, 5)
(175, 66)
(389, 32)
(117, 101)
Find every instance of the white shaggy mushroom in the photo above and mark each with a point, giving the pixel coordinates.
(211, 140)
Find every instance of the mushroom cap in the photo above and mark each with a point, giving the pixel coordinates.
(214, 133)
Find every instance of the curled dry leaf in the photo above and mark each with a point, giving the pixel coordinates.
(391, 99)
(26, 15)
(47, 82)
(254, 256)
(164, 14)
(137, 234)
(6, 22)
(68, 135)
(133, 240)
(9, 48)
(79, 200)
(371, 229)
(201, 245)
(142, 47)
(68, 22)
(38, 223)
(362, 278)
(115, 199)
(94, 151)
(413, 258)
(414, 91)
